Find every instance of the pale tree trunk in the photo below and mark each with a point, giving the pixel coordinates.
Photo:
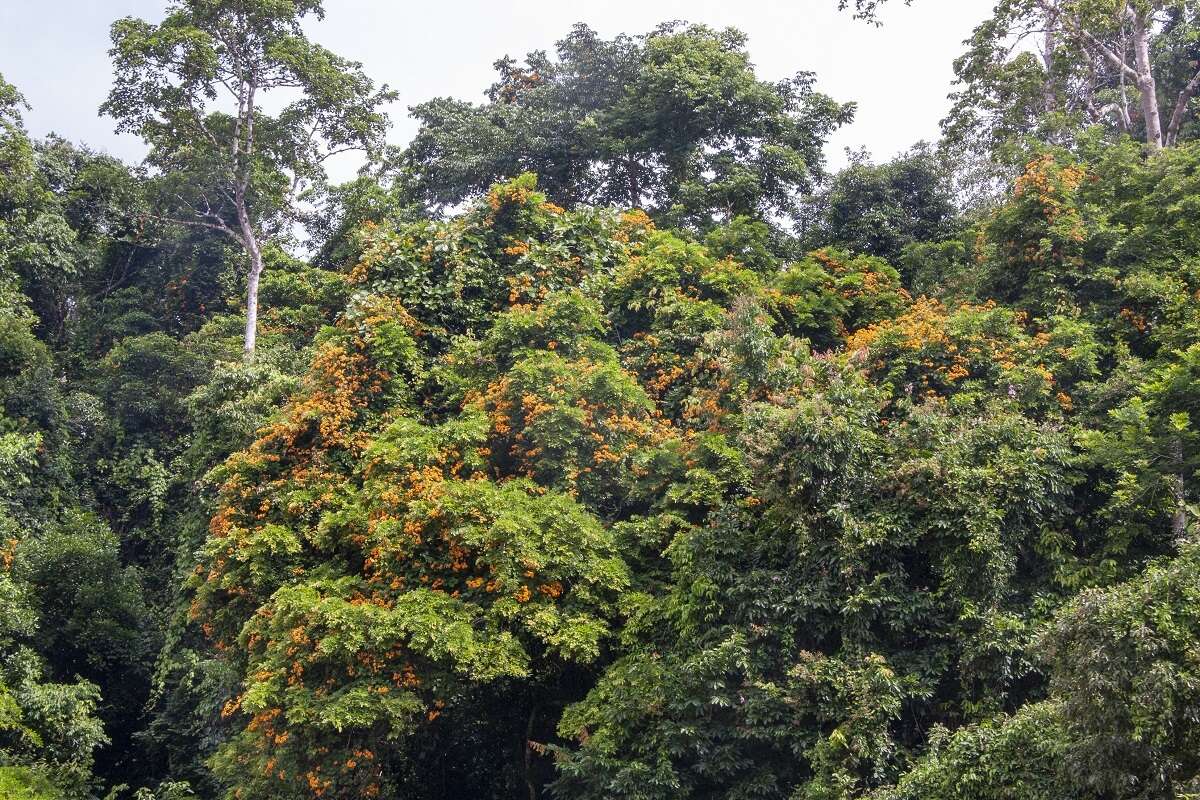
(252, 306)
(1142, 72)
(1049, 96)
(250, 240)
(1181, 105)
(1145, 81)
(245, 227)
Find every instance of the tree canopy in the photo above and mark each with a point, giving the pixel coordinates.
(674, 121)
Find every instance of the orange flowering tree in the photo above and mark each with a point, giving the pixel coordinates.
(427, 516)
(972, 354)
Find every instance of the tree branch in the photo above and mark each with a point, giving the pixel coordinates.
(1104, 50)
(197, 223)
(198, 118)
(1185, 96)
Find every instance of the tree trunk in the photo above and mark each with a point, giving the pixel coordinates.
(250, 240)
(1049, 44)
(1145, 81)
(635, 188)
(527, 756)
(1179, 520)
(242, 154)
(1181, 107)
(252, 306)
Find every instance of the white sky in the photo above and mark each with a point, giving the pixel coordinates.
(55, 52)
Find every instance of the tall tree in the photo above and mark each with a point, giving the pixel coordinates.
(675, 122)
(194, 87)
(1041, 66)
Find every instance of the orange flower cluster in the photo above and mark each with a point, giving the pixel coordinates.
(1051, 186)
(939, 348)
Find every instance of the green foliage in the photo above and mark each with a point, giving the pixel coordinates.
(19, 783)
(1123, 689)
(830, 293)
(674, 121)
(878, 210)
(239, 172)
(1123, 663)
(1150, 453)
(828, 553)
(524, 500)
(832, 601)
(425, 559)
(166, 74)
(1006, 757)
(865, 9)
(1037, 73)
(48, 731)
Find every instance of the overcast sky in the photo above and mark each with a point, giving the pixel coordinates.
(55, 52)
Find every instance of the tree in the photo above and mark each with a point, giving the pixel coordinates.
(1043, 68)
(92, 627)
(874, 577)
(1099, 235)
(237, 169)
(11, 103)
(879, 209)
(465, 564)
(1008, 756)
(36, 243)
(674, 121)
(1097, 59)
(535, 501)
(1119, 721)
(1151, 450)
(1123, 662)
(48, 730)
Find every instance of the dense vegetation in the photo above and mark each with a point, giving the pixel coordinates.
(601, 443)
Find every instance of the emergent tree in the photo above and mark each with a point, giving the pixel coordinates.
(234, 168)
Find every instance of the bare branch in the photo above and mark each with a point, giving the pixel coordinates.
(198, 118)
(1114, 59)
(348, 149)
(1181, 104)
(197, 223)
